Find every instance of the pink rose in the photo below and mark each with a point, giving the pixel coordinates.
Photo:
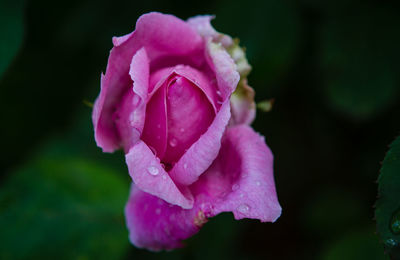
(168, 99)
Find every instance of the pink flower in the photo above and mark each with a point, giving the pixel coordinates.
(168, 99)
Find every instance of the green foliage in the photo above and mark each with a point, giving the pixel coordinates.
(63, 208)
(388, 205)
(11, 31)
(359, 61)
(356, 245)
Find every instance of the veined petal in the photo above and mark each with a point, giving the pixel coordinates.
(149, 175)
(203, 152)
(241, 178)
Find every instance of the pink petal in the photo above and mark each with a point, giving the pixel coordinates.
(164, 34)
(202, 24)
(189, 115)
(224, 67)
(113, 85)
(130, 115)
(203, 81)
(241, 178)
(203, 152)
(155, 224)
(155, 129)
(149, 175)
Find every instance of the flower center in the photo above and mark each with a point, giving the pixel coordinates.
(177, 114)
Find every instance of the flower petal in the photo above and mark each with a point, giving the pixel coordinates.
(203, 152)
(243, 105)
(241, 178)
(155, 128)
(204, 82)
(130, 114)
(224, 67)
(113, 86)
(164, 34)
(189, 116)
(155, 224)
(149, 175)
(202, 24)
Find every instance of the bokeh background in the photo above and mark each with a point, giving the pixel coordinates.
(332, 68)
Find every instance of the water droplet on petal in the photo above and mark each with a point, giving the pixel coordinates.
(182, 130)
(173, 142)
(153, 170)
(243, 208)
(164, 177)
(241, 195)
(185, 166)
(158, 211)
(218, 93)
(235, 186)
(258, 183)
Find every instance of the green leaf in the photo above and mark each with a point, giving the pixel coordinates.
(63, 208)
(359, 55)
(11, 30)
(387, 211)
(362, 244)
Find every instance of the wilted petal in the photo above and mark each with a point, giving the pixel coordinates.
(243, 105)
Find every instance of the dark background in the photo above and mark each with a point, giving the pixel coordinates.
(331, 66)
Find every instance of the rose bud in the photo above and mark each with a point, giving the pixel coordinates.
(175, 98)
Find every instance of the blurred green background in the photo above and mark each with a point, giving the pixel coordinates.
(331, 66)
